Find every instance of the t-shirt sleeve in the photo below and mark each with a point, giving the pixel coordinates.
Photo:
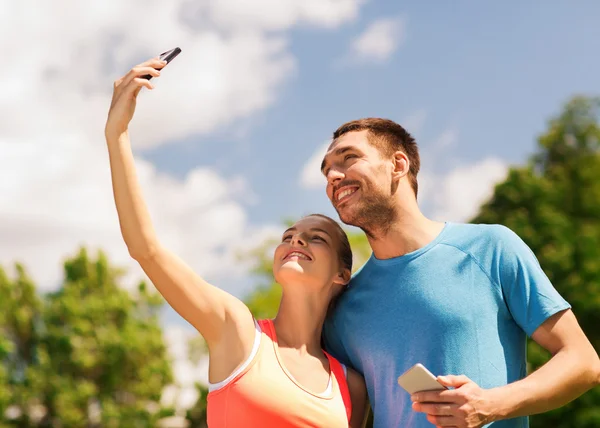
(529, 294)
(332, 342)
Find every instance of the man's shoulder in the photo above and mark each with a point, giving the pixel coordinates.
(471, 237)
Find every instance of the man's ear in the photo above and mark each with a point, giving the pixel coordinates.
(401, 164)
(343, 277)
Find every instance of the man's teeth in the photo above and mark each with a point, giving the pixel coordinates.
(299, 255)
(345, 193)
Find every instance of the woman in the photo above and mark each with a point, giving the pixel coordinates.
(268, 373)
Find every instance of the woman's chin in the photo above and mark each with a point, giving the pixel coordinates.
(293, 273)
(291, 270)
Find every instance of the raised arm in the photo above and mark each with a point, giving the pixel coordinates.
(225, 322)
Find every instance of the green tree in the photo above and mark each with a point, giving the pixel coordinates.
(90, 354)
(553, 203)
(20, 315)
(197, 414)
(197, 350)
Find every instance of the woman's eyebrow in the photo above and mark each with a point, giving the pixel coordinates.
(312, 229)
(291, 229)
(317, 229)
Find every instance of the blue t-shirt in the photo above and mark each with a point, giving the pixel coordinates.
(463, 304)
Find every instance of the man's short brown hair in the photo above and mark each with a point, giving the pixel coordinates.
(388, 137)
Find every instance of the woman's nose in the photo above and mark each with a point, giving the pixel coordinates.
(298, 239)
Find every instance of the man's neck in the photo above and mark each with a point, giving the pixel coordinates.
(410, 232)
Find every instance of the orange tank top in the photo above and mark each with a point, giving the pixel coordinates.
(263, 393)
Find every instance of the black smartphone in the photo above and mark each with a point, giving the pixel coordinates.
(166, 56)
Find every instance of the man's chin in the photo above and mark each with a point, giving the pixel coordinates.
(347, 215)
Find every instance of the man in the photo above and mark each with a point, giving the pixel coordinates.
(458, 298)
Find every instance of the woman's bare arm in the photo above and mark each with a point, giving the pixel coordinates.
(223, 320)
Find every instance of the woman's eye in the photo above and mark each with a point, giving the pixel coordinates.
(317, 237)
(286, 238)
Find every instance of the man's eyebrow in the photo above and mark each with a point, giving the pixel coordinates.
(336, 152)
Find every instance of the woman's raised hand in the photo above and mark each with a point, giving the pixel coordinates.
(125, 94)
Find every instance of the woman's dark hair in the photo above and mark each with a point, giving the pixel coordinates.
(345, 255)
(344, 250)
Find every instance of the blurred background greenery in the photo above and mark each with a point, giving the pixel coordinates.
(93, 355)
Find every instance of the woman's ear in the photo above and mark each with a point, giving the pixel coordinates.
(343, 277)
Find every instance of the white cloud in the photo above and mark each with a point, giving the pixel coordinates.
(414, 122)
(54, 181)
(231, 64)
(457, 195)
(281, 14)
(310, 176)
(379, 40)
(446, 139)
(183, 394)
(66, 201)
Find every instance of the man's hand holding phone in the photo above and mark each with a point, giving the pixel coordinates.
(465, 405)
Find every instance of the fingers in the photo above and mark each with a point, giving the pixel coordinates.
(136, 85)
(136, 72)
(153, 62)
(443, 421)
(434, 409)
(131, 90)
(448, 396)
(150, 67)
(131, 83)
(453, 381)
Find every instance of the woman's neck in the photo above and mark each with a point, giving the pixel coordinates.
(299, 321)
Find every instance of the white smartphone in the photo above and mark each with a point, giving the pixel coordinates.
(418, 378)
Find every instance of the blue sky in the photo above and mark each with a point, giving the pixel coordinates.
(494, 73)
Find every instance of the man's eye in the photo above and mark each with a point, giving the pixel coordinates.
(317, 237)
(349, 157)
(286, 238)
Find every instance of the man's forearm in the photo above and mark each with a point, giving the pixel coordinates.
(562, 379)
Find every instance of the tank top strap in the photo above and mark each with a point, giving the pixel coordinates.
(266, 326)
(338, 371)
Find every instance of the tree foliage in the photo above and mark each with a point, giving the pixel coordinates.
(90, 354)
(553, 203)
(197, 414)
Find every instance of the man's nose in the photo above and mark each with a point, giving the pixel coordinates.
(334, 175)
